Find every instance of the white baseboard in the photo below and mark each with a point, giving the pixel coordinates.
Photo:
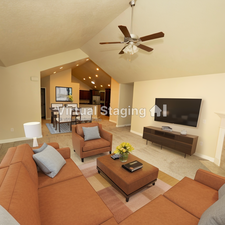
(112, 121)
(14, 139)
(125, 125)
(134, 132)
(211, 159)
(217, 161)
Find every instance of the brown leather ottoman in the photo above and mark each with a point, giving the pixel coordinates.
(126, 182)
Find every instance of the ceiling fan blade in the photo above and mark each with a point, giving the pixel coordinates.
(122, 52)
(152, 36)
(144, 47)
(118, 42)
(125, 31)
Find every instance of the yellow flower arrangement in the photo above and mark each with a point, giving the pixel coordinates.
(123, 148)
(70, 97)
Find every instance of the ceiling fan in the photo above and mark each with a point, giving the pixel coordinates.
(132, 41)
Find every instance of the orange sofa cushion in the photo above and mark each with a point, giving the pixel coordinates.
(161, 211)
(72, 202)
(95, 144)
(69, 171)
(22, 153)
(192, 196)
(19, 195)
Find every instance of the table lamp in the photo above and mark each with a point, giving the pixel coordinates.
(33, 130)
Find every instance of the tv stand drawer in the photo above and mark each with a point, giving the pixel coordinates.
(186, 144)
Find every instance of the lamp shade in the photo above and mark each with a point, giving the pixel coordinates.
(32, 129)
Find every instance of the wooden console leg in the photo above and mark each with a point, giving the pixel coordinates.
(82, 159)
(146, 142)
(127, 199)
(110, 152)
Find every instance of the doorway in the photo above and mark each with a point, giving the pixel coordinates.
(43, 111)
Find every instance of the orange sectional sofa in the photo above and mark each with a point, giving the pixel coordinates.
(184, 203)
(31, 197)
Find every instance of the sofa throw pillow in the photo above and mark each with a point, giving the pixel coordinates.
(6, 217)
(50, 161)
(221, 191)
(214, 215)
(91, 133)
(40, 149)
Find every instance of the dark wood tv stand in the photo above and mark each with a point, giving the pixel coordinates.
(182, 143)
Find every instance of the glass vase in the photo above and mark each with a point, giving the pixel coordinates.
(124, 157)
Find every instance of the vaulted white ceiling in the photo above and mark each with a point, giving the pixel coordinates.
(193, 44)
(34, 29)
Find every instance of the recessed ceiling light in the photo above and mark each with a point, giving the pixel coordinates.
(77, 65)
(101, 85)
(84, 78)
(92, 82)
(97, 68)
(89, 77)
(95, 86)
(60, 67)
(54, 72)
(109, 85)
(87, 59)
(96, 75)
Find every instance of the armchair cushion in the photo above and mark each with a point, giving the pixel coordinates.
(91, 133)
(79, 128)
(50, 161)
(95, 144)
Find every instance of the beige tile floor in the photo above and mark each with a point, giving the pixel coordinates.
(172, 164)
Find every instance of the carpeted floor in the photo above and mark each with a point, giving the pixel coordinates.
(113, 199)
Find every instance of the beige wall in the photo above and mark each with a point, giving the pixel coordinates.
(63, 79)
(20, 97)
(208, 87)
(45, 83)
(114, 99)
(125, 104)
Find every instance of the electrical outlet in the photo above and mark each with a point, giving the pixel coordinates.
(12, 129)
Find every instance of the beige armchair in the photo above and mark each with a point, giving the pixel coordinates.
(91, 147)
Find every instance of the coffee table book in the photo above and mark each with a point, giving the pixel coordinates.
(133, 166)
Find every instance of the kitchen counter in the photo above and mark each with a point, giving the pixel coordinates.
(96, 109)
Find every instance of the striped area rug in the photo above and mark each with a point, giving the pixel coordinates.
(64, 128)
(114, 200)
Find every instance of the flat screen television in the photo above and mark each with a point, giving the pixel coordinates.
(62, 93)
(178, 111)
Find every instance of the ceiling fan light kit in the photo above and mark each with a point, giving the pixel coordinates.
(132, 41)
